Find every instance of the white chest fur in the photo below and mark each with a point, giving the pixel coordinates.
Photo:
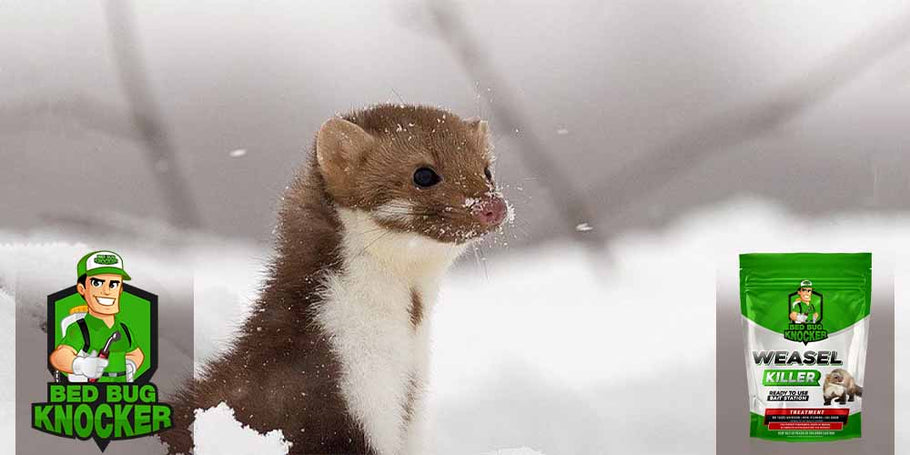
(366, 311)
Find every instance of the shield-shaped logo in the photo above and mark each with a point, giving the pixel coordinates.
(138, 314)
(805, 311)
(102, 351)
(816, 305)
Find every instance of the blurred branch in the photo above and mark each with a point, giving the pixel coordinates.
(652, 169)
(90, 113)
(566, 198)
(147, 117)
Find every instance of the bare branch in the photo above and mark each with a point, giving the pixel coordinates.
(566, 198)
(147, 117)
(654, 168)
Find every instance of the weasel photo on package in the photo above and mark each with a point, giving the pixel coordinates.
(806, 322)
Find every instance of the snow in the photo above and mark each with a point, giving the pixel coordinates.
(543, 348)
(219, 433)
(555, 347)
(583, 227)
(237, 153)
(521, 451)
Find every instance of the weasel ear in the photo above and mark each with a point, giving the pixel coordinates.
(339, 144)
(481, 127)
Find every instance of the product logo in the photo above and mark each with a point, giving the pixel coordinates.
(805, 309)
(102, 347)
(105, 259)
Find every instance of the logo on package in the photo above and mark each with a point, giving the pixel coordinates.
(102, 350)
(805, 309)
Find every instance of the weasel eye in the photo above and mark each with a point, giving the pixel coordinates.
(425, 177)
(486, 172)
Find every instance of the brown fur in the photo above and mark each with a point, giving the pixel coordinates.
(840, 385)
(416, 309)
(379, 166)
(413, 391)
(280, 372)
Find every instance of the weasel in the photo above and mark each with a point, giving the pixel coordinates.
(335, 352)
(840, 384)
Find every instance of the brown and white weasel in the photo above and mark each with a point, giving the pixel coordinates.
(335, 351)
(840, 384)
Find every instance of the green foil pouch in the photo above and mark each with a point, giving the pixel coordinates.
(806, 324)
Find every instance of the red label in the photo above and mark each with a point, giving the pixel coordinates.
(807, 418)
(805, 426)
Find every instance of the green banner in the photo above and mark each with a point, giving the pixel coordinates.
(793, 378)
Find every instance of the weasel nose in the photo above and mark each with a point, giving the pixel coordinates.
(490, 211)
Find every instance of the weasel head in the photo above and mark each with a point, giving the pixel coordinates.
(413, 170)
(836, 376)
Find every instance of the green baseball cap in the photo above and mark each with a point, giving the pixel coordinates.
(805, 284)
(100, 262)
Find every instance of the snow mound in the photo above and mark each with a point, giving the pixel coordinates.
(218, 432)
(521, 451)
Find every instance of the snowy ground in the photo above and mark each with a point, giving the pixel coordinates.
(556, 349)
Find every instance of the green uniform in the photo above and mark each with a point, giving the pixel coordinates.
(805, 308)
(99, 333)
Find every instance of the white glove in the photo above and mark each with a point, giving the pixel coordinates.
(801, 318)
(90, 366)
(130, 370)
(814, 319)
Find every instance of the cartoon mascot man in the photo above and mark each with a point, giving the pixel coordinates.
(97, 345)
(802, 310)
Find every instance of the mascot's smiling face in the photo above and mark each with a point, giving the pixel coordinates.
(102, 293)
(805, 294)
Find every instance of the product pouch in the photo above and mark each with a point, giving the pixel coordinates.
(806, 324)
